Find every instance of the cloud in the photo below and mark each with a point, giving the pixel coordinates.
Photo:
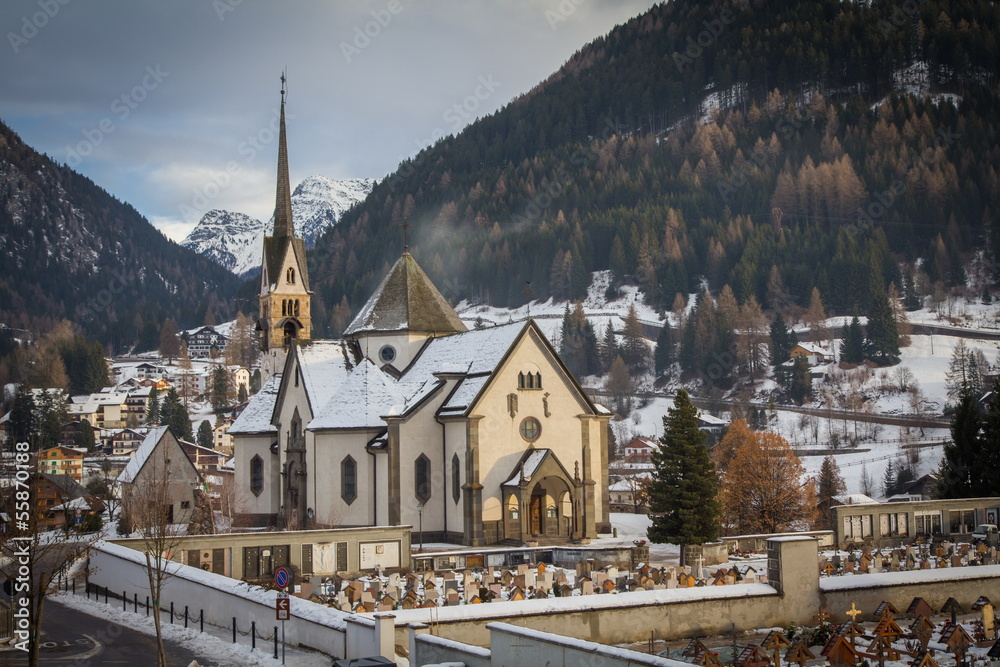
(351, 119)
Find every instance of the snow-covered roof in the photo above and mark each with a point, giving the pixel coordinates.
(711, 420)
(464, 394)
(361, 401)
(812, 348)
(406, 300)
(80, 503)
(127, 476)
(256, 416)
(530, 466)
(323, 365)
(855, 499)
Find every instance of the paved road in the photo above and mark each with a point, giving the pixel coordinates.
(73, 639)
(928, 421)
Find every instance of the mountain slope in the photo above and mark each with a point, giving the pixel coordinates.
(716, 140)
(235, 240)
(70, 250)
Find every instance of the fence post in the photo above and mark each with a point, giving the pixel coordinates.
(105, 595)
(171, 612)
(74, 585)
(185, 616)
(124, 600)
(253, 635)
(201, 620)
(234, 629)
(276, 642)
(135, 603)
(147, 606)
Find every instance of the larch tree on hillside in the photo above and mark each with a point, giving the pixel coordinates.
(764, 489)
(683, 497)
(828, 485)
(170, 344)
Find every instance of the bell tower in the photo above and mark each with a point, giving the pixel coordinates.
(284, 298)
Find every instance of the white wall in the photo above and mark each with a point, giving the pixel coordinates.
(315, 626)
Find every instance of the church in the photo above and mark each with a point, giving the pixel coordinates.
(473, 437)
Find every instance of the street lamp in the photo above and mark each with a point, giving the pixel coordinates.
(420, 519)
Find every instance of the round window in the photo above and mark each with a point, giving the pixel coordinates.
(530, 429)
(387, 354)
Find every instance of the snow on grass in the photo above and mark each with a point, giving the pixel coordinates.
(210, 645)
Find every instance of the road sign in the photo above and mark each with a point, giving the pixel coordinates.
(282, 608)
(282, 577)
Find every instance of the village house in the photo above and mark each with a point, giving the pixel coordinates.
(160, 460)
(148, 371)
(105, 409)
(51, 491)
(222, 441)
(202, 342)
(813, 353)
(711, 424)
(474, 437)
(61, 460)
(125, 441)
(203, 458)
(135, 405)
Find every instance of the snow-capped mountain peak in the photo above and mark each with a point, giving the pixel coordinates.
(236, 240)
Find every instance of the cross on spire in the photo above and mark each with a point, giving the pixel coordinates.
(406, 226)
(283, 79)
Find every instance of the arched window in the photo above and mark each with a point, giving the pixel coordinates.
(256, 475)
(456, 478)
(422, 478)
(296, 308)
(520, 381)
(538, 380)
(348, 480)
(284, 308)
(291, 276)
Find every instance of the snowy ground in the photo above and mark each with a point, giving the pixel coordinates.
(213, 644)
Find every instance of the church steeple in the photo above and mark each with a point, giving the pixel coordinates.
(284, 277)
(283, 224)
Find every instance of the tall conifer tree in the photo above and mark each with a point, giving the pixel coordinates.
(683, 496)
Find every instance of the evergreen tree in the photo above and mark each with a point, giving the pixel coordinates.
(609, 348)
(634, 350)
(22, 416)
(782, 341)
(222, 388)
(889, 482)
(989, 452)
(683, 497)
(50, 414)
(687, 356)
(961, 455)
(801, 382)
(829, 485)
(664, 356)
(255, 381)
(153, 406)
(241, 396)
(852, 348)
(883, 334)
(84, 438)
(205, 434)
(175, 415)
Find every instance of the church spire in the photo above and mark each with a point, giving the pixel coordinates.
(283, 225)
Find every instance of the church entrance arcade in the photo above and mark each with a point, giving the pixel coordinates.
(541, 500)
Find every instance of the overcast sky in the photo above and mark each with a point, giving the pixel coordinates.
(155, 101)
